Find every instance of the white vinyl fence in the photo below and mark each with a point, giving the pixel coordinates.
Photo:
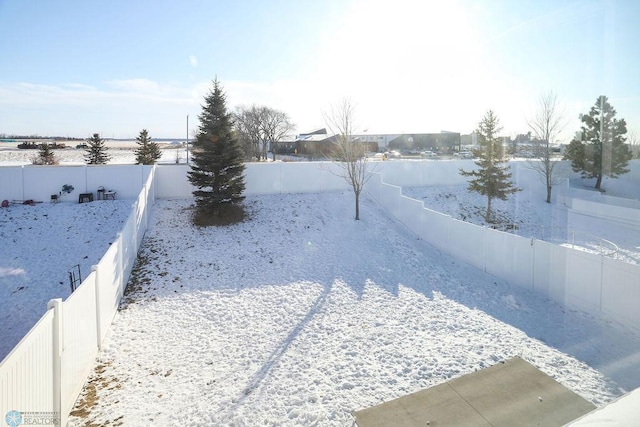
(592, 282)
(43, 375)
(623, 211)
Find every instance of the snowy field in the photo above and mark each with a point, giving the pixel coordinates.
(120, 152)
(302, 315)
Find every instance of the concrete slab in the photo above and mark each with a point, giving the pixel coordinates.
(506, 394)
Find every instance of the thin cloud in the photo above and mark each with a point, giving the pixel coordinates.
(193, 60)
(120, 108)
(135, 85)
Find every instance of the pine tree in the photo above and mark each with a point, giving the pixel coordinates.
(492, 178)
(148, 152)
(217, 164)
(45, 156)
(600, 150)
(96, 151)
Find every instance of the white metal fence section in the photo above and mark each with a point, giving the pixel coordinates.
(44, 374)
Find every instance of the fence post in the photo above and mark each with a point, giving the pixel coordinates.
(96, 285)
(147, 191)
(57, 344)
(484, 247)
(120, 266)
(134, 237)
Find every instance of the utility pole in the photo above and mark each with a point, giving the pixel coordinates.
(187, 139)
(606, 147)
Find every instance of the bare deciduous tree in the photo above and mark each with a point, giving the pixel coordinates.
(634, 144)
(247, 125)
(547, 124)
(275, 125)
(261, 128)
(350, 153)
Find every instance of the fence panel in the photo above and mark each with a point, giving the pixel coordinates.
(584, 281)
(510, 257)
(40, 182)
(80, 346)
(151, 187)
(621, 291)
(126, 180)
(389, 195)
(171, 182)
(550, 270)
(12, 183)
(466, 241)
(410, 213)
(108, 280)
(621, 214)
(128, 243)
(140, 210)
(263, 178)
(435, 228)
(26, 379)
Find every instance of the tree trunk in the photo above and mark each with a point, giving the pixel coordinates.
(598, 182)
(548, 194)
(487, 215)
(357, 207)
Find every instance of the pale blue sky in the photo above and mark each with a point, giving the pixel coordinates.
(73, 68)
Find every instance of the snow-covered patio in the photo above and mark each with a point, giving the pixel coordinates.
(302, 315)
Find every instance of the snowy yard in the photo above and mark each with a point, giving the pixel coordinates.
(40, 244)
(302, 315)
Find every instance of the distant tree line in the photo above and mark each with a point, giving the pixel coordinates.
(54, 138)
(28, 145)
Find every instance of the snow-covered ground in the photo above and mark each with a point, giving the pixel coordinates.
(302, 315)
(119, 152)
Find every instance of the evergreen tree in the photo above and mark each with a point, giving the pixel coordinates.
(148, 152)
(96, 151)
(600, 150)
(217, 164)
(492, 178)
(45, 156)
